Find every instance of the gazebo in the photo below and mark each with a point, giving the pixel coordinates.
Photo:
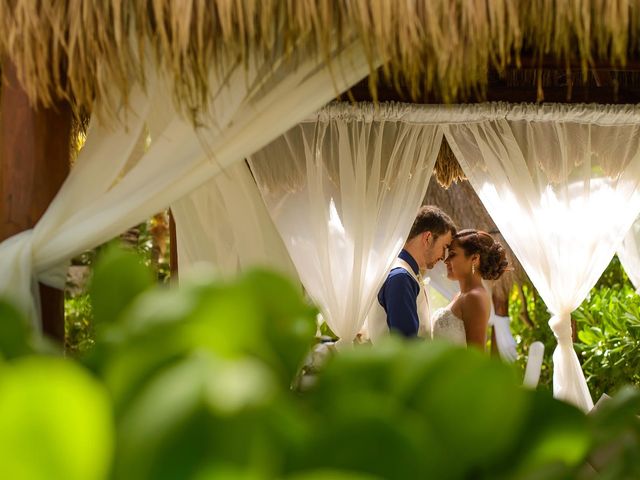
(181, 93)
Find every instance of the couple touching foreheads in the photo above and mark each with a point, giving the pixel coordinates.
(470, 256)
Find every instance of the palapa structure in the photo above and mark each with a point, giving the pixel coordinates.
(69, 58)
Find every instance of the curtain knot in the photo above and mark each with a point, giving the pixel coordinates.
(17, 280)
(560, 324)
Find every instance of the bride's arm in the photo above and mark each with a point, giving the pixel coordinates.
(475, 314)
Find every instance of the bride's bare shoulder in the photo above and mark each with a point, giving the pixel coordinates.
(477, 300)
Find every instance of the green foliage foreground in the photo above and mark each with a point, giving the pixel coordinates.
(195, 383)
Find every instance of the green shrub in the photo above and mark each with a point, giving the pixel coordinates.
(79, 335)
(150, 242)
(525, 305)
(607, 330)
(609, 338)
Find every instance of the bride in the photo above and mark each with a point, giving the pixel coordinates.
(473, 256)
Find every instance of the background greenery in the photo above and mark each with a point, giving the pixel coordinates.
(196, 383)
(607, 328)
(150, 242)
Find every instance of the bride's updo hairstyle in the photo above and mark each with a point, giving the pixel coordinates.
(493, 258)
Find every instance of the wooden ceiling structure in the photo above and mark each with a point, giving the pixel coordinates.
(531, 81)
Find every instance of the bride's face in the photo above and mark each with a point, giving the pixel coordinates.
(457, 262)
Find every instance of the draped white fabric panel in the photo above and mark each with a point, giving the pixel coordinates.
(505, 342)
(343, 189)
(629, 254)
(561, 184)
(113, 187)
(225, 224)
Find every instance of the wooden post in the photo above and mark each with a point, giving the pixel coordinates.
(173, 249)
(34, 161)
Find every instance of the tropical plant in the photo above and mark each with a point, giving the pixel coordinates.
(150, 240)
(607, 333)
(79, 335)
(609, 338)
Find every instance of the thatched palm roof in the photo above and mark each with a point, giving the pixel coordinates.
(83, 50)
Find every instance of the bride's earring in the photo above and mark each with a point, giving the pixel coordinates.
(473, 269)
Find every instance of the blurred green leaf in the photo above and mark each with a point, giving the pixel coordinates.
(445, 402)
(288, 322)
(15, 334)
(205, 411)
(554, 440)
(261, 315)
(332, 475)
(616, 432)
(475, 405)
(118, 277)
(200, 377)
(55, 422)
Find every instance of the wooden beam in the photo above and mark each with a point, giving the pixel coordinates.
(173, 249)
(34, 162)
(577, 94)
(605, 84)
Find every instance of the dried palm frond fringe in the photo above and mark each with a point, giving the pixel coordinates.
(447, 170)
(90, 52)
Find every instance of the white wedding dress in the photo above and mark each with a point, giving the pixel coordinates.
(446, 326)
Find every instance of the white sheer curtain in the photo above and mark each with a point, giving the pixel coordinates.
(629, 254)
(113, 187)
(343, 189)
(561, 184)
(225, 224)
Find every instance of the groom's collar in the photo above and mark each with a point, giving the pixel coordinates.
(406, 256)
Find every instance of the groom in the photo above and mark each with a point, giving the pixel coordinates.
(402, 305)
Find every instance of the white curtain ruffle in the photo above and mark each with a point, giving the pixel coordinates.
(629, 254)
(225, 224)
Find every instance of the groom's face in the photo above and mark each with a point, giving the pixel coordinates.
(436, 248)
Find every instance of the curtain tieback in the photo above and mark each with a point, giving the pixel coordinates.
(560, 324)
(16, 281)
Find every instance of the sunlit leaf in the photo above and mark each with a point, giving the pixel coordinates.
(55, 422)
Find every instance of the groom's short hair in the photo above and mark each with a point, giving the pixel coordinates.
(432, 219)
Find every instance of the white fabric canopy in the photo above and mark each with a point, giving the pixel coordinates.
(629, 254)
(113, 187)
(343, 189)
(225, 224)
(561, 184)
(505, 343)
